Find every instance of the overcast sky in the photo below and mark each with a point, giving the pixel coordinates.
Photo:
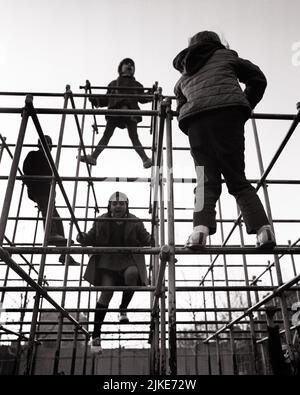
(45, 45)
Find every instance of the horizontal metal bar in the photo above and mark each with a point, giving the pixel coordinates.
(198, 323)
(73, 310)
(229, 250)
(99, 219)
(82, 289)
(105, 339)
(140, 179)
(232, 288)
(178, 220)
(59, 94)
(83, 250)
(53, 339)
(137, 323)
(282, 117)
(119, 87)
(178, 265)
(87, 111)
(122, 332)
(218, 288)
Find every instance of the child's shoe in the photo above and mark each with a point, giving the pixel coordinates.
(197, 240)
(57, 240)
(89, 159)
(72, 262)
(147, 163)
(123, 317)
(96, 345)
(265, 238)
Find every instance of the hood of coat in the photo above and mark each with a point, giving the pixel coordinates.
(201, 47)
(190, 60)
(131, 66)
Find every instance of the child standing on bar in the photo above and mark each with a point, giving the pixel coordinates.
(115, 269)
(36, 164)
(126, 79)
(212, 112)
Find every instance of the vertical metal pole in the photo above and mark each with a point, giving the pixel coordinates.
(271, 275)
(12, 177)
(154, 130)
(254, 356)
(22, 315)
(218, 356)
(294, 269)
(31, 343)
(260, 326)
(119, 355)
(2, 145)
(282, 297)
(13, 170)
(163, 295)
(231, 329)
(95, 130)
(74, 349)
(13, 239)
(166, 109)
(155, 352)
(207, 344)
(84, 367)
(63, 298)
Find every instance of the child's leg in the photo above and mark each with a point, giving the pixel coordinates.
(230, 146)
(132, 132)
(57, 225)
(108, 132)
(131, 277)
(107, 279)
(208, 189)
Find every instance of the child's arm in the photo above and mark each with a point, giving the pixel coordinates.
(102, 101)
(87, 238)
(144, 236)
(180, 98)
(99, 101)
(254, 79)
(146, 92)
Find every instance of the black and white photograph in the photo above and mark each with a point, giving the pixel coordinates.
(149, 191)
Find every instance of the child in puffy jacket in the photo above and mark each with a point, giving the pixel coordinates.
(212, 112)
(126, 79)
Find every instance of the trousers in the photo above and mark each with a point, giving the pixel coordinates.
(217, 145)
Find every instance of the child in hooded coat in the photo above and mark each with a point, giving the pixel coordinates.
(126, 79)
(115, 269)
(213, 109)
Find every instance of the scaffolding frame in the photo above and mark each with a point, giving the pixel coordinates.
(162, 255)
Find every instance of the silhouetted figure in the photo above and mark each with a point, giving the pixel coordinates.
(36, 164)
(212, 112)
(126, 78)
(281, 362)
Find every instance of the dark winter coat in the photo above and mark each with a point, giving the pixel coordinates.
(135, 234)
(210, 80)
(122, 102)
(36, 164)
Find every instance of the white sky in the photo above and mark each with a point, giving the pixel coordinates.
(45, 45)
